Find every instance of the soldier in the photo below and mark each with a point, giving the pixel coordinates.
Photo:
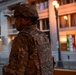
(30, 51)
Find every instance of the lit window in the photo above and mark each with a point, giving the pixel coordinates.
(63, 43)
(67, 42)
(64, 21)
(71, 42)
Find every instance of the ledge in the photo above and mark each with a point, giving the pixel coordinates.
(64, 72)
(67, 9)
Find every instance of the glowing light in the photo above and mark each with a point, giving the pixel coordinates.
(63, 40)
(65, 17)
(55, 4)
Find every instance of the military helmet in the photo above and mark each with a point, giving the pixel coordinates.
(27, 10)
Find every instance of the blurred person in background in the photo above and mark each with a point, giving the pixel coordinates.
(30, 50)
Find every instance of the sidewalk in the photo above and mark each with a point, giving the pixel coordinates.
(64, 72)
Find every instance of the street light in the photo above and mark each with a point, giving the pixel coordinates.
(56, 5)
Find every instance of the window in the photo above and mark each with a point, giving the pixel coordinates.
(38, 25)
(45, 24)
(46, 4)
(63, 2)
(67, 21)
(64, 21)
(38, 7)
(73, 19)
(42, 5)
(69, 1)
(63, 42)
(67, 42)
(71, 42)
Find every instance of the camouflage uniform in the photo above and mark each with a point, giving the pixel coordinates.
(30, 54)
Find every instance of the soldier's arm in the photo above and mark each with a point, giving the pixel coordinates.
(18, 58)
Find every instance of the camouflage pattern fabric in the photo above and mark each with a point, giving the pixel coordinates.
(27, 10)
(30, 54)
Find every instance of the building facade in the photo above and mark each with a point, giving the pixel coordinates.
(47, 24)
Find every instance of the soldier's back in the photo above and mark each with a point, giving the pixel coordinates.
(42, 53)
